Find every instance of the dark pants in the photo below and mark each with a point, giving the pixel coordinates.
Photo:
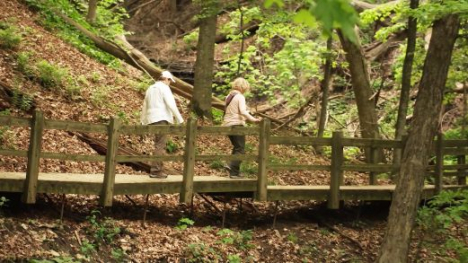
(238, 147)
(157, 167)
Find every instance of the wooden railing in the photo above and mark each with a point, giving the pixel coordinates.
(337, 142)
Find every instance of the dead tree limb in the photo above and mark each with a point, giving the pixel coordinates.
(100, 146)
(299, 113)
(381, 48)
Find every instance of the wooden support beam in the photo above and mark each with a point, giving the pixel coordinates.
(461, 160)
(336, 170)
(439, 162)
(111, 161)
(373, 160)
(34, 154)
(186, 192)
(262, 180)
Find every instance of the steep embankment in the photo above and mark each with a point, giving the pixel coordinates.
(93, 92)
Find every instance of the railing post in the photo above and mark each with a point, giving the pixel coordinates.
(439, 162)
(186, 192)
(336, 171)
(461, 160)
(397, 157)
(34, 154)
(373, 160)
(109, 172)
(262, 179)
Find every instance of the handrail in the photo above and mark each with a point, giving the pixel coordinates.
(15, 121)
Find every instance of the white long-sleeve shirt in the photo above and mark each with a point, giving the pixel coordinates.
(159, 105)
(236, 112)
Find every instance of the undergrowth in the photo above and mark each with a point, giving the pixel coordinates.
(443, 227)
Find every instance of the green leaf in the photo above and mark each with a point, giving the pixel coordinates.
(336, 14)
(269, 3)
(304, 17)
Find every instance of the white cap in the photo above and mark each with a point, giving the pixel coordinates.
(167, 75)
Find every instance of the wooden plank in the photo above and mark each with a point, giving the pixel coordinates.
(450, 174)
(242, 157)
(226, 186)
(15, 121)
(455, 143)
(300, 141)
(186, 191)
(63, 183)
(19, 153)
(75, 126)
(109, 172)
(367, 142)
(145, 158)
(12, 182)
(298, 167)
(221, 130)
(366, 193)
(456, 151)
(448, 167)
(159, 186)
(300, 192)
(439, 148)
(153, 129)
(336, 171)
(34, 153)
(380, 168)
(73, 157)
(262, 179)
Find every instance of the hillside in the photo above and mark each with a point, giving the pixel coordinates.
(303, 231)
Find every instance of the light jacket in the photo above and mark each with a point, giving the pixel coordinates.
(159, 105)
(236, 112)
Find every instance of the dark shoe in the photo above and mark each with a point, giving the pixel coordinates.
(232, 176)
(158, 176)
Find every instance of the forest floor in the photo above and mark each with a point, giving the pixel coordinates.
(301, 231)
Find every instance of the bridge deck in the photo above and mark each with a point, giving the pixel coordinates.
(91, 184)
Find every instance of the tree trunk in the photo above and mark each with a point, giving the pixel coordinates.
(361, 87)
(406, 82)
(202, 90)
(428, 105)
(92, 7)
(325, 85)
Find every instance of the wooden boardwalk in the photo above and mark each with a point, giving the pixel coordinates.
(110, 184)
(91, 184)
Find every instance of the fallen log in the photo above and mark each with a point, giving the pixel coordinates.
(100, 146)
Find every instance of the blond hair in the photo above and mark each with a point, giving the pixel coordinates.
(240, 84)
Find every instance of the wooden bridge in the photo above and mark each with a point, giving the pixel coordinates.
(110, 184)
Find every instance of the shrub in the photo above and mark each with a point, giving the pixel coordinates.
(50, 75)
(171, 146)
(10, 38)
(443, 222)
(24, 64)
(21, 100)
(184, 223)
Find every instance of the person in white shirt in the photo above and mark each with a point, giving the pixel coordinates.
(159, 108)
(236, 114)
